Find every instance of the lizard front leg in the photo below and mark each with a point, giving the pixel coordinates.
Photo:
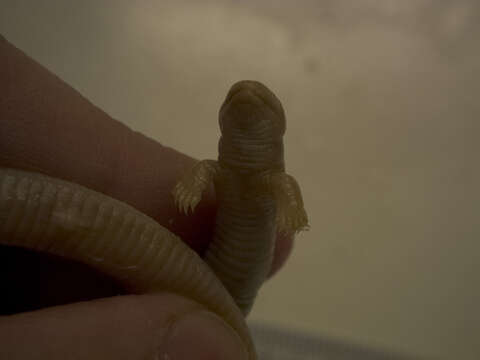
(188, 191)
(291, 215)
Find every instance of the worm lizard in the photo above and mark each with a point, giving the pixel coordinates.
(254, 195)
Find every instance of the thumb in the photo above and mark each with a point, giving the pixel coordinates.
(157, 326)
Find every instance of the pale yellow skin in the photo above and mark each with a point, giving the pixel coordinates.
(55, 216)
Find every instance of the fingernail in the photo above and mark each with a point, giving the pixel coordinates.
(202, 335)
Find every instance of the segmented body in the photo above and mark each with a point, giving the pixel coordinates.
(58, 217)
(242, 249)
(254, 193)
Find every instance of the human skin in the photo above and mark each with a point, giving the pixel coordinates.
(100, 153)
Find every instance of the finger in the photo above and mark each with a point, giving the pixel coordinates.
(283, 249)
(47, 126)
(161, 326)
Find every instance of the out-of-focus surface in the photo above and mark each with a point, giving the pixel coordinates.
(275, 343)
(383, 115)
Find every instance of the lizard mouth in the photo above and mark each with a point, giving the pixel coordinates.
(33, 280)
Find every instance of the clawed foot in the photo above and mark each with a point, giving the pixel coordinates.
(186, 196)
(291, 214)
(188, 192)
(291, 218)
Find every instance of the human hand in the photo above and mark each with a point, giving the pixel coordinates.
(48, 127)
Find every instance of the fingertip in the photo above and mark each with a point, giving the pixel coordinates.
(283, 248)
(201, 335)
(123, 327)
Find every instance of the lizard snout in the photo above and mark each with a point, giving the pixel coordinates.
(251, 106)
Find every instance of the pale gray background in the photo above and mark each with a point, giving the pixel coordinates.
(382, 99)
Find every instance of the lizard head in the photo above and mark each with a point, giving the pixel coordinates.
(252, 109)
(252, 123)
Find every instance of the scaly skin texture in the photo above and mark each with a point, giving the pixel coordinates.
(254, 193)
(51, 215)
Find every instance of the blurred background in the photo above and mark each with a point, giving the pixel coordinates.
(382, 104)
